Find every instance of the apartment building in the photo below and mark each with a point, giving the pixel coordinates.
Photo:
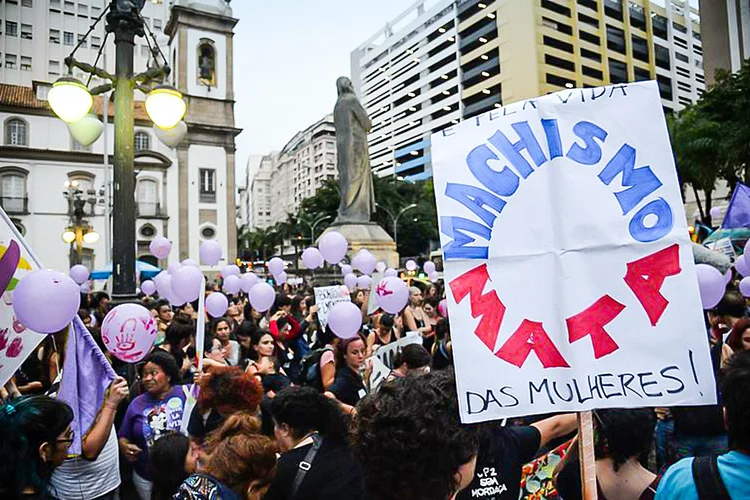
(37, 36)
(261, 199)
(442, 61)
(301, 167)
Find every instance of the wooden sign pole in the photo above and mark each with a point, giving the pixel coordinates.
(586, 454)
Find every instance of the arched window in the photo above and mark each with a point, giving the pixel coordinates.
(148, 198)
(142, 141)
(13, 191)
(207, 63)
(16, 132)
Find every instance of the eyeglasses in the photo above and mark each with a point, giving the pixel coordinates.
(69, 439)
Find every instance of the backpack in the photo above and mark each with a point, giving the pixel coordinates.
(311, 369)
(708, 482)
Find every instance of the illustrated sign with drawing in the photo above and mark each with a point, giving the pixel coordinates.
(570, 277)
(16, 262)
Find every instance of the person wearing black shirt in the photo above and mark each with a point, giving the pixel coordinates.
(503, 451)
(348, 386)
(303, 419)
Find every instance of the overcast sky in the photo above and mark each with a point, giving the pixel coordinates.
(287, 56)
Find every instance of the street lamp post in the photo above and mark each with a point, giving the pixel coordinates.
(79, 231)
(71, 100)
(396, 218)
(314, 225)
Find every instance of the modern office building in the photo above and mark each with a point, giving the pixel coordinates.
(442, 61)
(186, 193)
(726, 34)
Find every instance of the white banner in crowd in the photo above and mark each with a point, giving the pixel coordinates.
(570, 279)
(328, 296)
(16, 261)
(386, 353)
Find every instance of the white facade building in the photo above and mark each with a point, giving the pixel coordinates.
(261, 199)
(186, 194)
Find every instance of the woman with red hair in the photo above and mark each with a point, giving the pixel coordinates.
(738, 340)
(224, 391)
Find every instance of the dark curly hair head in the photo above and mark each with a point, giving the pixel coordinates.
(735, 394)
(623, 434)
(166, 362)
(415, 418)
(228, 389)
(305, 410)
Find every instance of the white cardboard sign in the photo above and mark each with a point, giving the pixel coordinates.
(386, 353)
(326, 297)
(570, 279)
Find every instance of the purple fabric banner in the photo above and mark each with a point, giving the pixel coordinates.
(86, 377)
(738, 211)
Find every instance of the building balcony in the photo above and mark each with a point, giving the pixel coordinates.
(150, 211)
(14, 205)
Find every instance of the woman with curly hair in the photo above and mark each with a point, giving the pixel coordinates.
(410, 442)
(311, 428)
(621, 438)
(35, 435)
(224, 390)
(240, 464)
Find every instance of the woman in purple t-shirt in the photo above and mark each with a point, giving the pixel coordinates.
(151, 415)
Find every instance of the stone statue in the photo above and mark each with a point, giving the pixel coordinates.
(128, 5)
(355, 176)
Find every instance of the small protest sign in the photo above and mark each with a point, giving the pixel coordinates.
(378, 374)
(16, 261)
(386, 353)
(570, 278)
(326, 297)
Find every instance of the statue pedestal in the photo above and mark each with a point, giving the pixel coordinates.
(371, 237)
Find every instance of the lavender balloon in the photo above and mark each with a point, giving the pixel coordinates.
(728, 276)
(443, 308)
(715, 212)
(230, 270)
(148, 287)
(281, 278)
(350, 280)
(741, 266)
(711, 285)
(276, 266)
(60, 296)
(312, 258)
(129, 332)
(186, 283)
(79, 273)
(366, 262)
(391, 294)
(191, 263)
(232, 284)
(745, 287)
(173, 267)
(345, 319)
(364, 282)
(163, 282)
(390, 273)
(85, 288)
(380, 267)
(411, 265)
(332, 246)
(262, 297)
(216, 304)
(160, 247)
(434, 277)
(429, 267)
(248, 281)
(346, 269)
(210, 252)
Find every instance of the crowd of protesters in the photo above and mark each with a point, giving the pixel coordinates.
(285, 410)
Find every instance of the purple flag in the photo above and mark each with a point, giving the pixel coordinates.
(738, 211)
(86, 377)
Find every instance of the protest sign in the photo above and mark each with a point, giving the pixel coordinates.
(372, 303)
(378, 374)
(386, 353)
(570, 279)
(326, 297)
(724, 246)
(16, 261)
